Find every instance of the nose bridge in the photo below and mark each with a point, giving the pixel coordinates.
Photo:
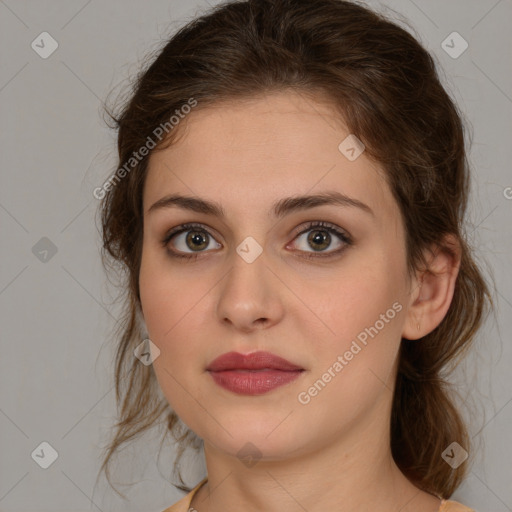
(248, 294)
(247, 278)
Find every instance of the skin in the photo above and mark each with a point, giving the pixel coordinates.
(332, 453)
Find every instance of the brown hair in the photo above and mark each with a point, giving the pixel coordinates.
(388, 93)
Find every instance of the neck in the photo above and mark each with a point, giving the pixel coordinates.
(355, 473)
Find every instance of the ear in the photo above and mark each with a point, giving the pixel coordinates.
(432, 289)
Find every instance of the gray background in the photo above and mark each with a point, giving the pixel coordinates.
(55, 362)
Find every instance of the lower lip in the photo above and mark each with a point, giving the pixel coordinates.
(253, 382)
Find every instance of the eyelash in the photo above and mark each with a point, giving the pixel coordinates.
(325, 226)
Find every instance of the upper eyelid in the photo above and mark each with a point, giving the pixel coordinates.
(187, 226)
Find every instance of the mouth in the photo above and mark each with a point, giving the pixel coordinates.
(252, 374)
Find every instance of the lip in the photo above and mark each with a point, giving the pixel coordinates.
(252, 374)
(254, 361)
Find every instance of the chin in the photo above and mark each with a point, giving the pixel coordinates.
(262, 440)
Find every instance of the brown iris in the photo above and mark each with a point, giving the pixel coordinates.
(319, 237)
(198, 239)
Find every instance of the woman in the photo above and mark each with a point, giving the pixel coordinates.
(289, 210)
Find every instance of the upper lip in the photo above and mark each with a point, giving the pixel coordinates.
(254, 361)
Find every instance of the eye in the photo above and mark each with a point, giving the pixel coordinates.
(189, 236)
(318, 236)
(190, 240)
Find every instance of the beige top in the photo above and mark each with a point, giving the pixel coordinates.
(184, 504)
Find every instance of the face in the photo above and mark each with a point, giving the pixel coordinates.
(329, 298)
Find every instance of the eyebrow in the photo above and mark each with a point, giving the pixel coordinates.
(280, 208)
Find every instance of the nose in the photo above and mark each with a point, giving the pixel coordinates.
(250, 296)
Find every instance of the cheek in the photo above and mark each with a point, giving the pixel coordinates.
(156, 298)
(356, 297)
(362, 308)
(354, 368)
(176, 309)
(168, 310)
(165, 295)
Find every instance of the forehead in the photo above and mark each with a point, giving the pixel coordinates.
(252, 152)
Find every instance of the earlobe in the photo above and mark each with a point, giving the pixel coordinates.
(435, 288)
